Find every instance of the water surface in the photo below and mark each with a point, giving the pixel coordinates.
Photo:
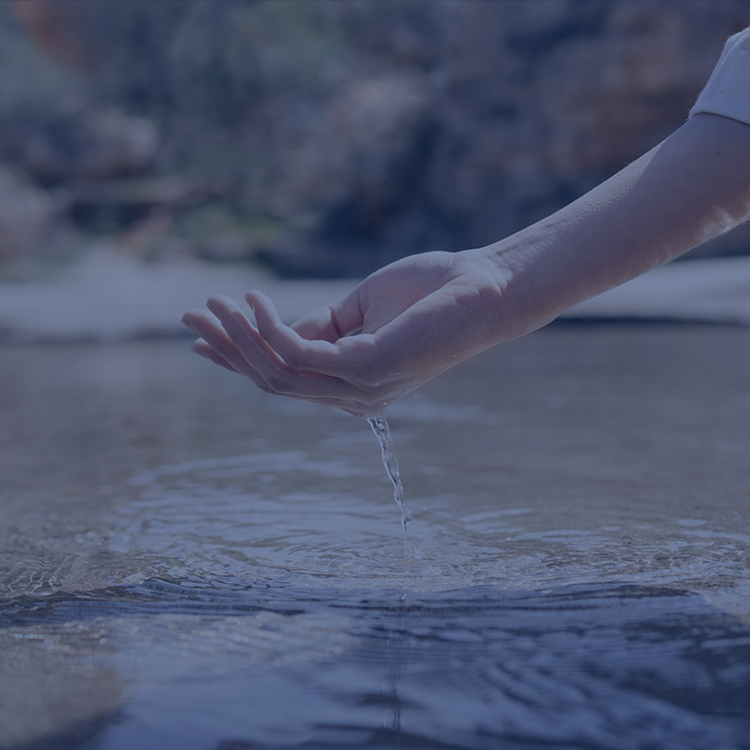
(187, 563)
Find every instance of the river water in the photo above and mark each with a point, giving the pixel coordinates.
(188, 563)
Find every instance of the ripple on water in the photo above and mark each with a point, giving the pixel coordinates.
(595, 666)
(276, 517)
(574, 575)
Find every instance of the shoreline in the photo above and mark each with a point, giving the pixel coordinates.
(110, 296)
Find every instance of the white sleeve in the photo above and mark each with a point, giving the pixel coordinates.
(727, 92)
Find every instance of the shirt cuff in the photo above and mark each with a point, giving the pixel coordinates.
(727, 92)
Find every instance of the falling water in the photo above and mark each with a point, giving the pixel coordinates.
(388, 456)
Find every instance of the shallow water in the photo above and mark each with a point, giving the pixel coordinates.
(187, 563)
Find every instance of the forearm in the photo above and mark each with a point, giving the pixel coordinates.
(692, 187)
(421, 315)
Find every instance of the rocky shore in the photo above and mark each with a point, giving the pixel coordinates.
(323, 138)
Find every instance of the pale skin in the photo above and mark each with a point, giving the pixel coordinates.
(415, 318)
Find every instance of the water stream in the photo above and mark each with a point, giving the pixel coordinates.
(382, 432)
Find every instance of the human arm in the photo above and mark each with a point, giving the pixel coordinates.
(692, 187)
(421, 315)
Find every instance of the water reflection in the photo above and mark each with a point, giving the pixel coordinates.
(607, 666)
(186, 563)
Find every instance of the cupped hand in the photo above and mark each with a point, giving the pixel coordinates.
(402, 326)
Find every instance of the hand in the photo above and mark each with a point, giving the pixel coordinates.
(402, 326)
(421, 315)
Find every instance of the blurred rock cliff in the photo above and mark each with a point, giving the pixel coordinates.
(327, 138)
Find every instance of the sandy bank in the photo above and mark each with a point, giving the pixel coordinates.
(109, 296)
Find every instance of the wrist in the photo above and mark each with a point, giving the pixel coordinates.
(524, 267)
(519, 305)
